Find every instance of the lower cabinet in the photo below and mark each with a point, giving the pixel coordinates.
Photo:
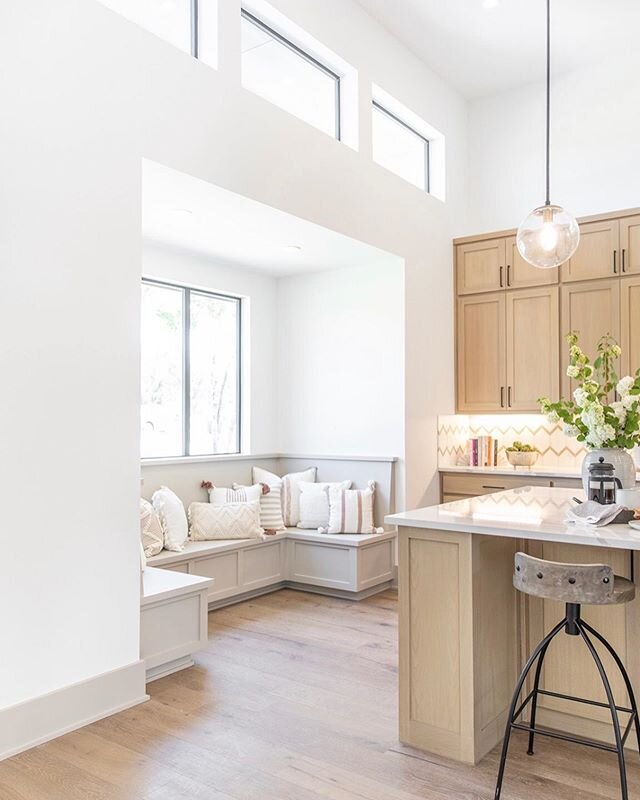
(462, 485)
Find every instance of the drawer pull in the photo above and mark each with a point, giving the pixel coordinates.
(489, 486)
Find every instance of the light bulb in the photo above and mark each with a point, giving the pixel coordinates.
(548, 237)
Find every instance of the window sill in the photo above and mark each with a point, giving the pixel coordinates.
(159, 462)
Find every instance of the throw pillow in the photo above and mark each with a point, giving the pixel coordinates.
(270, 507)
(351, 510)
(238, 494)
(151, 537)
(228, 521)
(289, 487)
(168, 506)
(314, 503)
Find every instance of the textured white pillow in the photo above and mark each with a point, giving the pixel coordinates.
(270, 507)
(239, 494)
(351, 510)
(314, 503)
(168, 506)
(151, 536)
(229, 521)
(289, 487)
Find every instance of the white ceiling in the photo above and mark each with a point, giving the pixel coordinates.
(182, 211)
(482, 51)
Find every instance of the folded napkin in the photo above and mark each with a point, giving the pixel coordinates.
(592, 513)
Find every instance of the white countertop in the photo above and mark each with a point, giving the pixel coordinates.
(532, 512)
(507, 469)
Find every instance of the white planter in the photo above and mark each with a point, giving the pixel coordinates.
(624, 465)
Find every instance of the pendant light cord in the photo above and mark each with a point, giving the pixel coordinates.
(548, 201)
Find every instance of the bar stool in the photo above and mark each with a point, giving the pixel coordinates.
(573, 584)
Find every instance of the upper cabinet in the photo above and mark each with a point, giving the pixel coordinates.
(630, 245)
(480, 266)
(598, 254)
(520, 274)
(512, 318)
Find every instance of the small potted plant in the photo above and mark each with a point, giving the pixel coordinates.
(522, 455)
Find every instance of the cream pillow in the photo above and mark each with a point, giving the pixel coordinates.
(151, 537)
(314, 503)
(173, 519)
(270, 507)
(229, 521)
(239, 494)
(351, 510)
(290, 490)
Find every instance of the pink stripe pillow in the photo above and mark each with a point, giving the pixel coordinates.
(351, 510)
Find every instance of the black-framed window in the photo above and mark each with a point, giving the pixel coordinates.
(191, 345)
(287, 76)
(399, 148)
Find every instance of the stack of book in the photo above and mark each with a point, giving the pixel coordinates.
(483, 451)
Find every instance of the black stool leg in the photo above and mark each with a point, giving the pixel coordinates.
(623, 672)
(514, 701)
(612, 707)
(534, 699)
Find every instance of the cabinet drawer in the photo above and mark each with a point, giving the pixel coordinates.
(464, 484)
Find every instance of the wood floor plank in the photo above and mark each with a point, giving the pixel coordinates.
(293, 698)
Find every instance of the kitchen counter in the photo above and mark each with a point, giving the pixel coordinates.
(520, 472)
(465, 632)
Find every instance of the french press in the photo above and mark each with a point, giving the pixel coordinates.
(602, 482)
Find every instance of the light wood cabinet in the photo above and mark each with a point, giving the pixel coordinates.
(480, 266)
(513, 318)
(630, 245)
(520, 274)
(533, 347)
(597, 254)
(481, 369)
(591, 309)
(630, 325)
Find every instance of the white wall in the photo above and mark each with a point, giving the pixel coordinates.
(86, 96)
(259, 330)
(340, 381)
(594, 146)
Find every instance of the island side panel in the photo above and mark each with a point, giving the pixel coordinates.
(458, 640)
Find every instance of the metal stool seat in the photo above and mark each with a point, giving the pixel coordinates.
(573, 584)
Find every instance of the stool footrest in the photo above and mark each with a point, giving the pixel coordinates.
(565, 737)
(582, 700)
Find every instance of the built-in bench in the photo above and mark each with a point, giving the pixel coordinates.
(342, 565)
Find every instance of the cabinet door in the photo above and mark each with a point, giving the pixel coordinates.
(630, 245)
(481, 353)
(480, 266)
(521, 274)
(597, 255)
(592, 309)
(532, 347)
(630, 325)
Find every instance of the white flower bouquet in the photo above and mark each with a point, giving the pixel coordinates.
(590, 416)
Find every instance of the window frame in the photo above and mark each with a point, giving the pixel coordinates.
(186, 292)
(244, 14)
(427, 168)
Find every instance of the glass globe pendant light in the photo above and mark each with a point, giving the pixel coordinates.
(549, 235)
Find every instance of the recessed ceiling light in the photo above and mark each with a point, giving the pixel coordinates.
(490, 3)
(293, 248)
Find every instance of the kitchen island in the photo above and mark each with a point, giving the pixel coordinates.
(465, 632)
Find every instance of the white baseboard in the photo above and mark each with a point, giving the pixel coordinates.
(35, 721)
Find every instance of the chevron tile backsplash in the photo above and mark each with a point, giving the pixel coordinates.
(556, 449)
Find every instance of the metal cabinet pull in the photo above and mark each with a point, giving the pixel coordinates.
(509, 397)
(489, 486)
(508, 274)
(615, 266)
(622, 259)
(501, 277)
(502, 397)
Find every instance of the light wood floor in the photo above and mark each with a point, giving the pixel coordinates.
(293, 699)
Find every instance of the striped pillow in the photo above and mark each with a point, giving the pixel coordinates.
(270, 507)
(239, 494)
(351, 510)
(290, 489)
